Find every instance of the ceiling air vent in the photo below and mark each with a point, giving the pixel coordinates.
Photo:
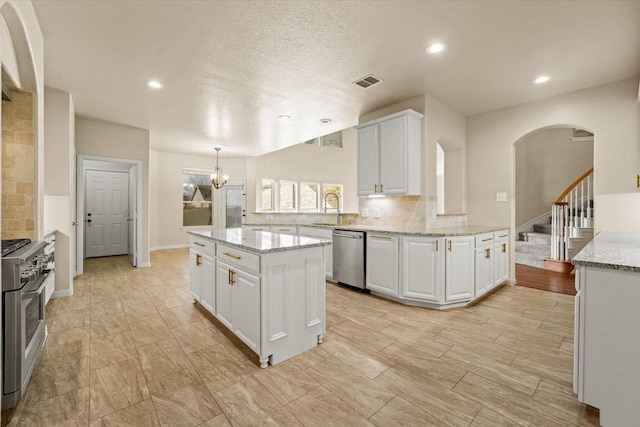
(367, 81)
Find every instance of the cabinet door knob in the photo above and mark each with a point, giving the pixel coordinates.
(375, 188)
(488, 253)
(437, 245)
(504, 247)
(449, 245)
(198, 262)
(381, 188)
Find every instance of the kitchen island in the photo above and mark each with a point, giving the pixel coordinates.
(267, 288)
(607, 324)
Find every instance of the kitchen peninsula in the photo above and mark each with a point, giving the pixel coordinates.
(267, 288)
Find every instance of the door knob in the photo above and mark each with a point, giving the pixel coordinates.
(88, 220)
(88, 214)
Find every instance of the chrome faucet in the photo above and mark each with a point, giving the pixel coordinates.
(337, 201)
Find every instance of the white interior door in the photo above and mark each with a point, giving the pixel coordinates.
(132, 219)
(106, 213)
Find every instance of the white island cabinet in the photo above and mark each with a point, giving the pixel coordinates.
(607, 325)
(268, 289)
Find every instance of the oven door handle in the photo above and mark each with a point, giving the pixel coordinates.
(38, 291)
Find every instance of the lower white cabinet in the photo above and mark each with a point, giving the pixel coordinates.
(195, 275)
(459, 270)
(500, 257)
(238, 303)
(321, 233)
(423, 268)
(484, 264)
(382, 264)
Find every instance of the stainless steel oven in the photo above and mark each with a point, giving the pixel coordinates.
(25, 274)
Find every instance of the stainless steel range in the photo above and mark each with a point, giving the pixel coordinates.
(25, 272)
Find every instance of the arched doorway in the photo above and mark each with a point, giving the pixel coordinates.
(546, 162)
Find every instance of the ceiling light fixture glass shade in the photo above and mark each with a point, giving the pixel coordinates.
(218, 180)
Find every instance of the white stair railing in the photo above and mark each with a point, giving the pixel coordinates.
(571, 212)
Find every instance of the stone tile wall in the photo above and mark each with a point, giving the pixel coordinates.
(18, 167)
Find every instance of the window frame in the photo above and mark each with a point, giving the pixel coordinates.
(202, 172)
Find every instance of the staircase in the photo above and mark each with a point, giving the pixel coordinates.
(564, 232)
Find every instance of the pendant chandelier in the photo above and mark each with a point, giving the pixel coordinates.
(218, 180)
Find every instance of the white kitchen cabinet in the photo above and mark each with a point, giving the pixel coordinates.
(238, 303)
(500, 257)
(459, 269)
(202, 271)
(321, 233)
(382, 264)
(423, 269)
(484, 264)
(284, 229)
(389, 155)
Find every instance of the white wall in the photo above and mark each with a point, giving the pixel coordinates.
(547, 162)
(105, 139)
(166, 193)
(312, 163)
(611, 112)
(59, 192)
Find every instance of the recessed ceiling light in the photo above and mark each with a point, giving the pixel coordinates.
(436, 47)
(541, 79)
(284, 117)
(325, 120)
(154, 84)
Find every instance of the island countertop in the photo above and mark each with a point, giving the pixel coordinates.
(259, 241)
(614, 251)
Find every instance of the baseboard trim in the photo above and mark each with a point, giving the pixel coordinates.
(62, 294)
(160, 248)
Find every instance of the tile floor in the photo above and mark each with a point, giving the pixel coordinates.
(131, 349)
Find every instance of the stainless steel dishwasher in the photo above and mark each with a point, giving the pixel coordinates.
(349, 258)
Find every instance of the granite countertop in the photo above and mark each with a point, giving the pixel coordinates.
(614, 251)
(259, 241)
(463, 230)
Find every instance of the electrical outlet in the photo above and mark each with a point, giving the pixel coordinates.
(269, 216)
(364, 213)
(303, 217)
(376, 213)
(501, 197)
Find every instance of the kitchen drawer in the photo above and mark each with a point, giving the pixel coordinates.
(284, 229)
(243, 259)
(501, 235)
(202, 245)
(484, 239)
(255, 227)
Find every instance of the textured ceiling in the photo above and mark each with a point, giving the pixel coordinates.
(230, 68)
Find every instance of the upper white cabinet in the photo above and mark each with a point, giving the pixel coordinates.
(389, 155)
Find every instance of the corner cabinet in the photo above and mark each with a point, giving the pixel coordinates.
(422, 269)
(389, 155)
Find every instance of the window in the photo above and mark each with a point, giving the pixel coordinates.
(287, 196)
(331, 197)
(309, 195)
(268, 193)
(197, 205)
(330, 140)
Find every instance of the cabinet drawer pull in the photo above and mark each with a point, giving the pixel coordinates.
(487, 240)
(257, 229)
(381, 237)
(504, 247)
(488, 253)
(504, 235)
(198, 262)
(198, 244)
(231, 255)
(284, 229)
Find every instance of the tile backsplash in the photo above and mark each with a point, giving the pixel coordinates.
(18, 167)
